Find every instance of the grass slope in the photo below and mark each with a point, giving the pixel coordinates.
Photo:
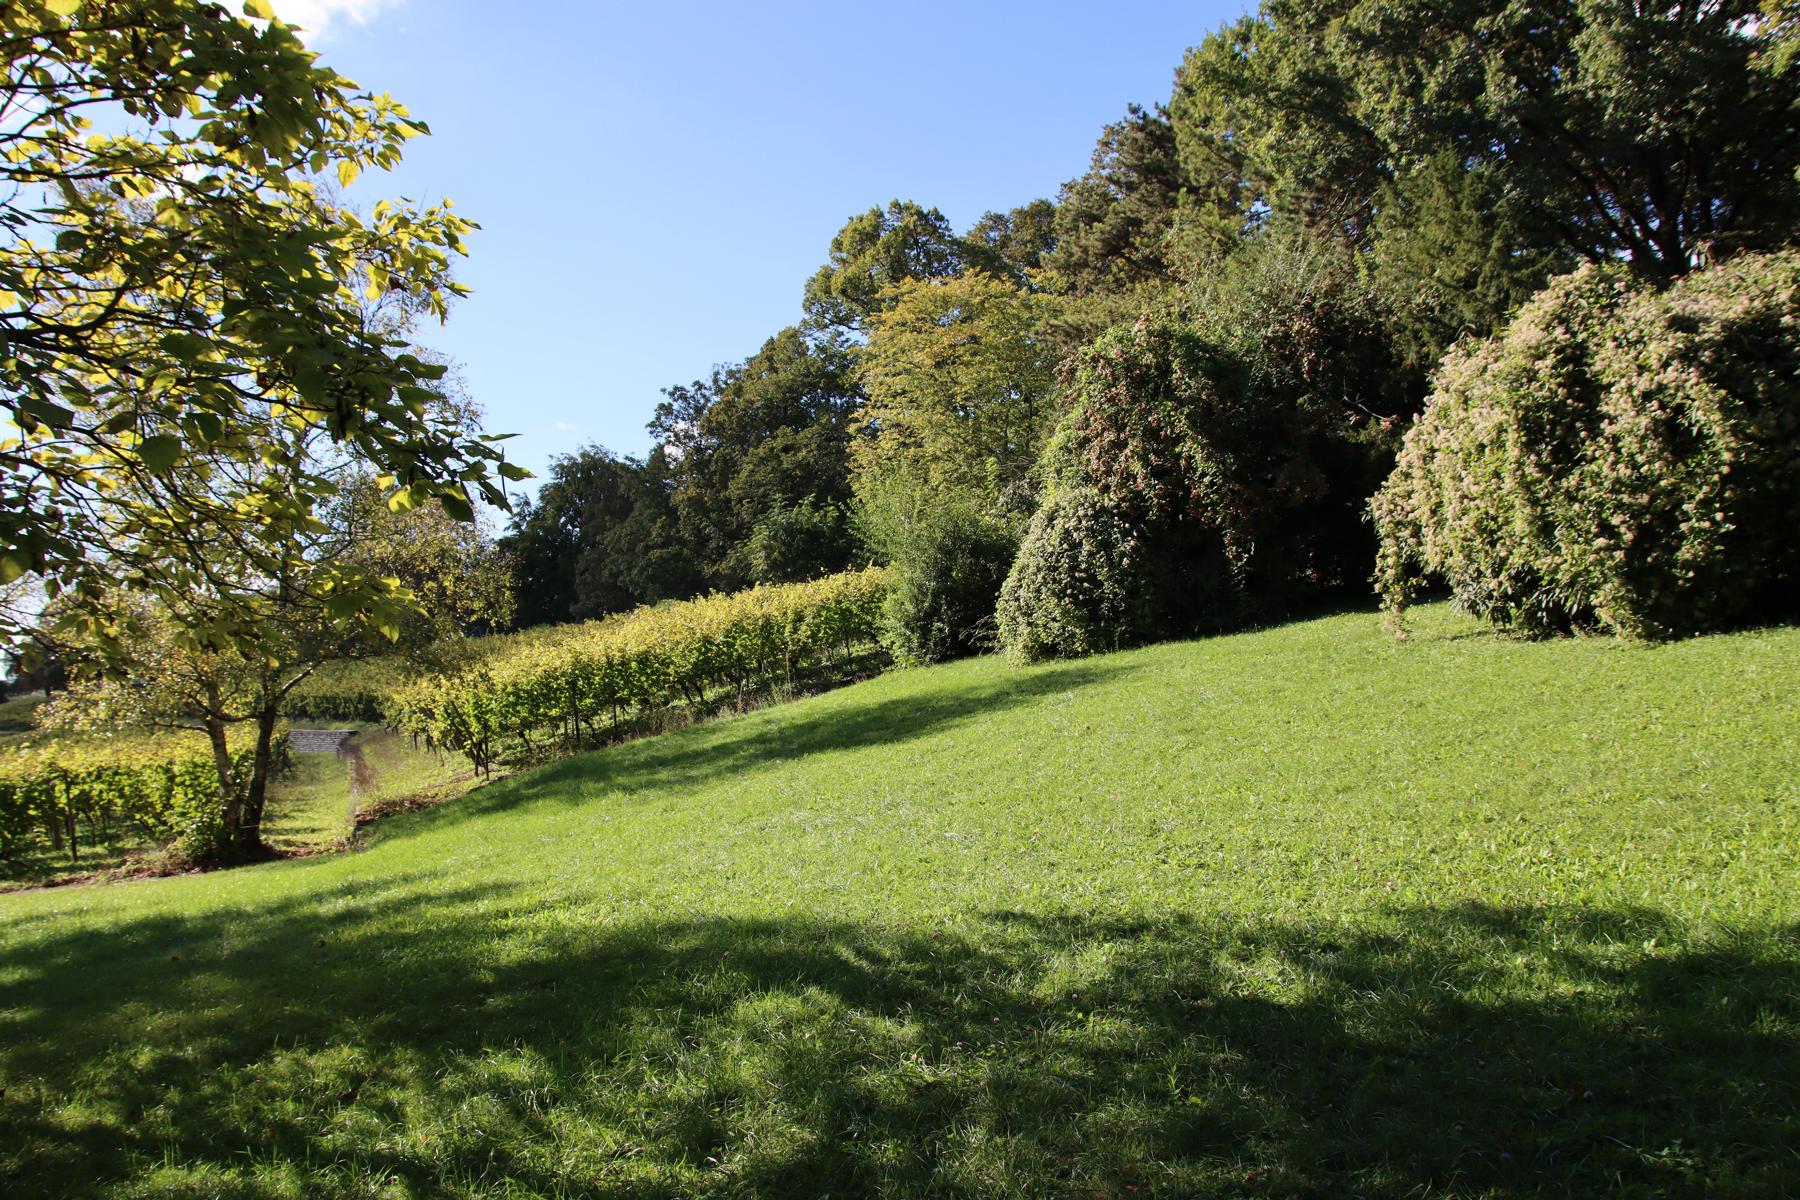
(1297, 912)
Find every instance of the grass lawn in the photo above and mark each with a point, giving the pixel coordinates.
(1297, 912)
(15, 714)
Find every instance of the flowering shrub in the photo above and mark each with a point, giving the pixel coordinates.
(1621, 458)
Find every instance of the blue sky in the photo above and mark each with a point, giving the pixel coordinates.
(655, 182)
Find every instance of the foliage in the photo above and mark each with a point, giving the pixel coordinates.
(763, 435)
(1660, 134)
(1238, 456)
(601, 537)
(561, 684)
(799, 542)
(57, 789)
(1293, 905)
(1018, 241)
(1076, 587)
(959, 386)
(357, 689)
(948, 559)
(180, 294)
(1454, 254)
(1112, 224)
(455, 577)
(1620, 457)
(875, 250)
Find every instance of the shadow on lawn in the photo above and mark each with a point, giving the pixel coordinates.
(454, 1043)
(767, 739)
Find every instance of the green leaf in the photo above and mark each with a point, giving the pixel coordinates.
(159, 452)
(259, 9)
(457, 505)
(62, 8)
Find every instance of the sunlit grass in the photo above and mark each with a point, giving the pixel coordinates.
(1304, 911)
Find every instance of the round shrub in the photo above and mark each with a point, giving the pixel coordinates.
(1075, 587)
(1621, 458)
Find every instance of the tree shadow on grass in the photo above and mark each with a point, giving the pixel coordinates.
(684, 759)
(465, 1043)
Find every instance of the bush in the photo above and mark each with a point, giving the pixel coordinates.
(1233, 487)
(1621, 458)
(948, 558)
(946, 583)
(1076, 587)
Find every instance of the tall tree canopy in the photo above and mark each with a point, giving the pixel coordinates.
(873, 250)
(760, 436)
(1664, 134)
(1112, 224)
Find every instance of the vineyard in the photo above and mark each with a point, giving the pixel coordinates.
(531, 694)
(59, 791)
(561, 686)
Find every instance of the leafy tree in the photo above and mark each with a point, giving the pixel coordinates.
(757, 438)
(800, 542)
(1661, 134)
(874, 250)
(1264, 129)
(600, 538)
(1455, 252)
(960, 386)
(1019, 240)
(136, 660)
(457, 578)
(176, 287)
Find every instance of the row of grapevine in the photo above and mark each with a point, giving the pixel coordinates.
(57, 789)
(562, 684)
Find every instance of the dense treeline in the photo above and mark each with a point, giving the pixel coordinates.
(1179, 384)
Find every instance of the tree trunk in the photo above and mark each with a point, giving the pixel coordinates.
(249, 832)
(233, 812)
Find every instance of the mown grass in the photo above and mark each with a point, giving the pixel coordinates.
(1298, 912)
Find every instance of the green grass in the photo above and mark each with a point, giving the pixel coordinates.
(1297, 912)
(15, 714)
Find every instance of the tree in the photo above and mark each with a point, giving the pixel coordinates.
(959, 384)
(1662, 134)
(759, 437)
(459, 581)
(600, 538)
(136, 660)
(1019, 240)
(1112, 224)
(175, 290)
(873, 250)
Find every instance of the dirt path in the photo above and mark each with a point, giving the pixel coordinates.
(362, 775)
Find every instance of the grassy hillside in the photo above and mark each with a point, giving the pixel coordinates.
(1298, 912)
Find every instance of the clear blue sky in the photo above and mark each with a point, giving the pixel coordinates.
(655, 182)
